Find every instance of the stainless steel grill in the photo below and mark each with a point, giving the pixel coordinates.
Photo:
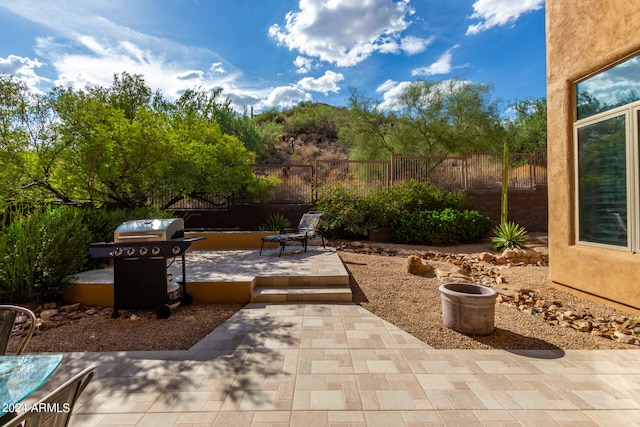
(141, 249)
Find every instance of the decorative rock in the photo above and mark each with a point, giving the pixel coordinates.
(70, 308)
(416, 266)
(48, 314)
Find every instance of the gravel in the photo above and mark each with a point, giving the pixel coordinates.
(381, 285)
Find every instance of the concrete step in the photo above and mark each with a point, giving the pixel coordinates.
(302, 294)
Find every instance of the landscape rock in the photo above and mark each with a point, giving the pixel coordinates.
(416, 266)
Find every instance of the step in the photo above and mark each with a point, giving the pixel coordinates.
(302, 294)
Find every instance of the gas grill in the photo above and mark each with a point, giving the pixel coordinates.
(140, 252)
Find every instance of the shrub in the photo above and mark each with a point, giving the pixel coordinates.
(508, 235)
(40, 251)
(445, 227)
(346, 214)
(276, 222)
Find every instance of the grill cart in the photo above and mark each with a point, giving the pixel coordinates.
(140, 252)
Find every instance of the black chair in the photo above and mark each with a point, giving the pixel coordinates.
(8, 315)
(55, 409)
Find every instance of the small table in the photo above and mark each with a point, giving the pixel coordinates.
(22, 375)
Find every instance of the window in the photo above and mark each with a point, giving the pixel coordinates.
(606, 147)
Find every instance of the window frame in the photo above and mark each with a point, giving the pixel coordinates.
(632, 140)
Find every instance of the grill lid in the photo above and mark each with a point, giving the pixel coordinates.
(149, 230)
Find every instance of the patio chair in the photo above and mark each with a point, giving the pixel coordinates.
(308, 228)
(8, 315)
(54, 410)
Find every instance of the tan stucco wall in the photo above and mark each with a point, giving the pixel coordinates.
(582, 38)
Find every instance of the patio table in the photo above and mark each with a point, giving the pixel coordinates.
(20, 376)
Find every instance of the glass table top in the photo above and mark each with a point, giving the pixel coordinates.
(21, 375)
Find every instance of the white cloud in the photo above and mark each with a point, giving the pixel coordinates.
(286, 96)
(346, 32)
(217, 67)
(495, 13)
(23, 69)
(303, 64)
(325, 84)
(391, 91)
(412, 45)
(84, 49)
(441, 66)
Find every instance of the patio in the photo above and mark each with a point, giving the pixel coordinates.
(335, 364)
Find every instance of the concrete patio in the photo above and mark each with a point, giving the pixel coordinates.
(336, 364)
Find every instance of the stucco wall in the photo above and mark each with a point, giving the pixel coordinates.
(582, 38)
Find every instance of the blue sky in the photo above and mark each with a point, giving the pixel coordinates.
(277, 53)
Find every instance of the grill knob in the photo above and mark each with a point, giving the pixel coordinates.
(143, 251)
(155, 250)
(130, 251)
(175, 250)
(118, 251)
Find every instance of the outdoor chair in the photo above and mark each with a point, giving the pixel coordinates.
(308, 228)
(8, 315)
(54, 410)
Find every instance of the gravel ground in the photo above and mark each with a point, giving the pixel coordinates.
(381, 285)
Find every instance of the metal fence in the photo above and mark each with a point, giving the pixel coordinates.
(302, 184)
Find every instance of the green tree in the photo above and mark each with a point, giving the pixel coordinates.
(431, 119)
(450, 117)
(210, 107)
(528, 129)
(116, 144)
(368, 130)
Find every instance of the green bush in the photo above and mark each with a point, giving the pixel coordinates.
(346, 214)
(40, 251)
(445, 227)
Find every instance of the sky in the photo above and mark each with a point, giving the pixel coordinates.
(277, 53)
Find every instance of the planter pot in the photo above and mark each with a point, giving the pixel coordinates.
(468, 308)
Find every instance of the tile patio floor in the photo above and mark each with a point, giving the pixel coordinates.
(339, 365)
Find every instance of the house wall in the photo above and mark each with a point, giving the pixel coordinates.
(583, 37)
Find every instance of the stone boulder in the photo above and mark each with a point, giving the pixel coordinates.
(416, 266)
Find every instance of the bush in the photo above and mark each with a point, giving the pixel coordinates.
(40, 252)
(346, 214)
(445, 227)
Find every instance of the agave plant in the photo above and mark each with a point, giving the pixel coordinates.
(276, 222)
(508, 235)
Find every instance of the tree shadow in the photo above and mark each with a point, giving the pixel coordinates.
(235, 358)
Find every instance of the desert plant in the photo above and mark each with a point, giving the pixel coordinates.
(508, 235)
(276, 222)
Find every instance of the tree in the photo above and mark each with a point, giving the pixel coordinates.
(118, 145)
(528, 129)
(432, 119)
(368, 130)
(451, 117)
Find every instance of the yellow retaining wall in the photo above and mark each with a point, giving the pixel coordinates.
(229, 240)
